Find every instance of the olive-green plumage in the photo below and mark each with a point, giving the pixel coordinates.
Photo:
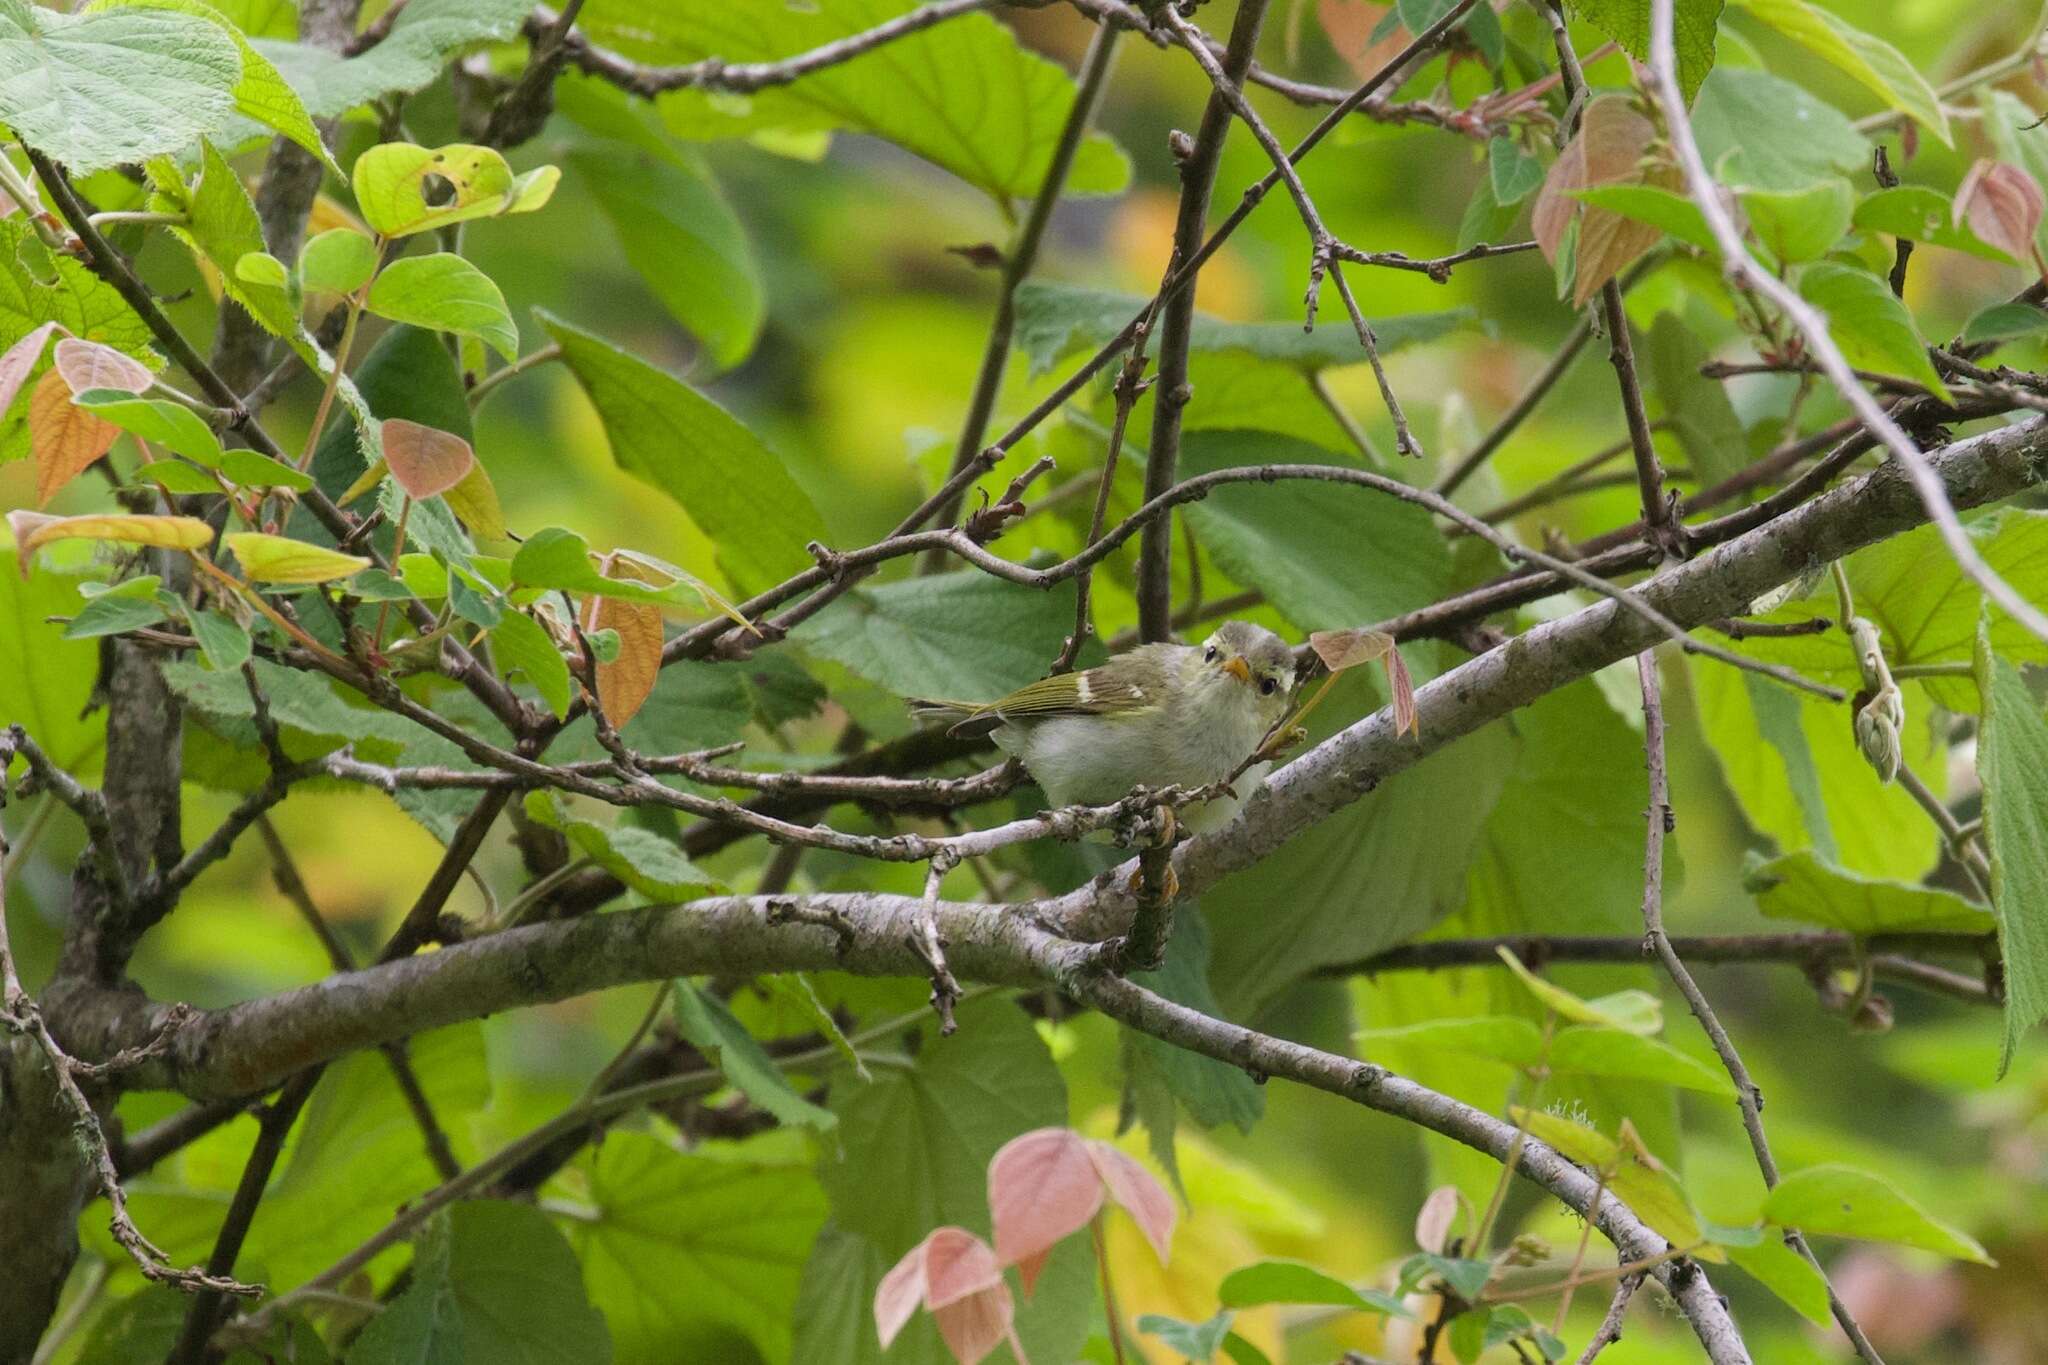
(1158, 715)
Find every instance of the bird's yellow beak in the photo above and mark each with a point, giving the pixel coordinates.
(1237, 668)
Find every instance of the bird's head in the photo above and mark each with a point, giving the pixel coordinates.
(1241, 654)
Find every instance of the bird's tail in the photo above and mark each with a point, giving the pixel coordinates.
(956, 717)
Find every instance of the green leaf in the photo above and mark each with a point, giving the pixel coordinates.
(2012, 763)
(681, 1241)
(1405, 847)
(1056, 319)
(1506, 1038)
(704, 1020)
(965, 94)
(1281, 538)
(252, 469)
(445, 292)
(357, 1114)
(113, 87)
(338, 260)
(1839, 1201)
(128, 607)
(1657, 206)
(390, 181)
(522, 644)
(666, 434)
(225, 644)
(222, 228)
(1197, 1341)
(1741, 122)
(794, 993)
(1802, 224)
(1611, 1052)
(173, 426)
(1869, 323)
(422, 40)
(509, 1290)
(963, 635)
(49, 677)
(1925, 608)
(1788, 1275)
(1801, 886)
(1648, 1190)
(642, 859)
(1921, 214)
(280, 559)
(262, 93)
(1294, 1282)
(75, 298)
(2005, 322)
(1630, 1011)
(560, 559)
(1628, 22)
(676, 229)
(1872, 61)
(1698, 409)
(1512, 172)
(1212, 1092)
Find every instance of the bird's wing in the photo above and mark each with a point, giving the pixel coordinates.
(1092, 692)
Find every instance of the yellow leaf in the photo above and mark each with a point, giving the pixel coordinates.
(35, 529)
(280, 559)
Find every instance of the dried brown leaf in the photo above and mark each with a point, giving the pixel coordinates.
(623, 685)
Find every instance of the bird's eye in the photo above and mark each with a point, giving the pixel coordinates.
(1268, 686)
(1209, 654)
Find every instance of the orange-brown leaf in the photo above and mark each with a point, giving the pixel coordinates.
(623, 684)
(1350, 24)
(62, 439)
(1607, 150)
(425, 460)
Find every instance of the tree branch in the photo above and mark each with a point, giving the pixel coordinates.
(1176, 330)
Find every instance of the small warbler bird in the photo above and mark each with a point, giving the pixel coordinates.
(1159, 715)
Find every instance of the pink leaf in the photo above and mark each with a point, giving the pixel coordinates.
(1042, 1186)
(954, 1273)
(977, 1324)
(19, 359)
(957, 1264)
(425, 460)
(1433, 1223)
(88, 365)
(1140, 1194)
(899, 1294)
(2003, 206)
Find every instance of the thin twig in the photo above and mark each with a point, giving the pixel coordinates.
(1022, 256)
(1610, 1326)
(1656, 943)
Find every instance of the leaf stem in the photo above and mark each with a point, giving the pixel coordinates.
(1109, 1313)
